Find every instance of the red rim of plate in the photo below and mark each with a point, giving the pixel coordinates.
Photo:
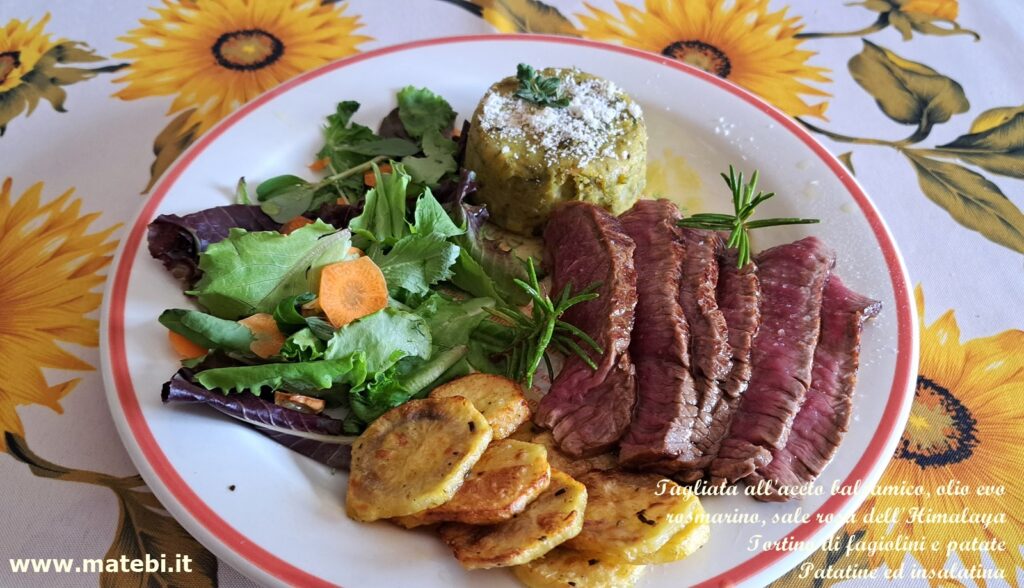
(291, 575)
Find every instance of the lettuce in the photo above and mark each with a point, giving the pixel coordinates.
(483, 268)
(253, 272)
(302, 345)
(383, 338)
(415, 263)
(177, 241)
(206, 331)
(452, 322)
(403, 381)
(422, 111)
(414, 256)
(316, 436)
(438, 159)
(322, 378)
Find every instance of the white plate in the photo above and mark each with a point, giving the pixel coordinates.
(284, 524)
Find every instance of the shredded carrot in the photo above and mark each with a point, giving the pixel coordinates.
(183, 347)
(295, 224)
(350, 290)
(370, 180)
(342, 200)
(268, 339)
(320, 164)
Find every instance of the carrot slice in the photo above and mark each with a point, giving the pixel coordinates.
(268, 339)
(295, 224)
(371, 180)
(183, 347)
(320, 164)
(356, 251)
(350, 290)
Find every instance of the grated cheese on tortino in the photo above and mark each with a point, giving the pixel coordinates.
(582, 130)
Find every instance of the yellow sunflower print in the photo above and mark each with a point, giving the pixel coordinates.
(50, 264)
(945, 9)
(964, 427)
(29, 68)
(741, 41)
(215, 55)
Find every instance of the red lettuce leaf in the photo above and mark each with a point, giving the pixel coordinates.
(316, 436)
(177, 241)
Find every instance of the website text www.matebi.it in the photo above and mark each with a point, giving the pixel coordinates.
(180, 563)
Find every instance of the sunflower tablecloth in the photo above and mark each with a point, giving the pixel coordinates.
(922, 99)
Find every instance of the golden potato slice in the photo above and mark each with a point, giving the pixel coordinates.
(574, 466)
(509, 475)
(414, 457)
(685, 542)
(553, 518)
(564, 567)
(525, 432)
(631, 516)
(499, 399)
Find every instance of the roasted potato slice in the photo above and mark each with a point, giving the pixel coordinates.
(554, 517)
(509, 475)
(631, 516)
(574, 466)
(685, 542)
(414, 457)
(525, 432)
(563, 567)
(499, 399)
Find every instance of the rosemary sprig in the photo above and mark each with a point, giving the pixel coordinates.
(538, 89)
(533, 334)
(738, 224)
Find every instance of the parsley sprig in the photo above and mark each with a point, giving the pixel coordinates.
(744, 202)
(538, 89)
(543, 328)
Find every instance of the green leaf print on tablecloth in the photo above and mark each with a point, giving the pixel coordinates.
(906, 91)
(912, 93)
(33, 67)
(144, 527)
(928, 17)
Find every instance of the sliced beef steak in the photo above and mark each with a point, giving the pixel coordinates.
(822, 421)
(589, 410)
(792, 278)
(666, 398)
(710, 355)
(739, 298)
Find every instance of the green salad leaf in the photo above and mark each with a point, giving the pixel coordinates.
(340, 134)
(207, 331)
(451, 322)
(431, 218)
(302, 345)
(438, 159)
(411, 257)
(391, 147)
(253, 272)
(306, 377)
(416, 262)
(383, 217)
(407, 379)
(287, 314)
(383, 337)
(422, 110)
